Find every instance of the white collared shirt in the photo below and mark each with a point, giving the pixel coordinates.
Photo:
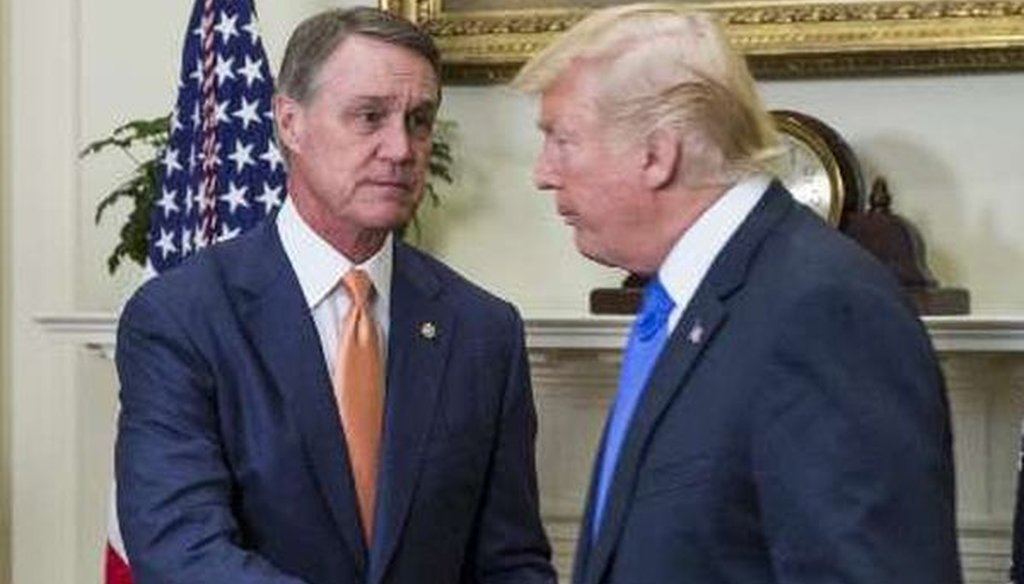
(319, 268)
(690, 259)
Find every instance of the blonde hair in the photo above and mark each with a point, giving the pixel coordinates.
(665, 67)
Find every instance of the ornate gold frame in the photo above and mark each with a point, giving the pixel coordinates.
(781, 38)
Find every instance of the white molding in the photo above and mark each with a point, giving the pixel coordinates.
(577, 332)
(950, 334)
(574, 359)
(977, 333)
(95, 331)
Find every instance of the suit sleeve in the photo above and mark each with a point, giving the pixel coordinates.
(511, 546)
(174, 495)
(852, 446)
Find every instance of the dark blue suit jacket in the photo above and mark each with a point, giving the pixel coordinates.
(795, 428)
(231, 461)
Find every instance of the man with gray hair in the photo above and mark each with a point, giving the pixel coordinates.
(316, 402)
(781, 416)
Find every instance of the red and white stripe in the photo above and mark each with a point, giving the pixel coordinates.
(115, 563)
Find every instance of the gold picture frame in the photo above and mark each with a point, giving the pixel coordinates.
(782, 39)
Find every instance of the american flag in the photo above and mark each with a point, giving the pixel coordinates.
(221, 172)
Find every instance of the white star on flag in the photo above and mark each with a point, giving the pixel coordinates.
(198, 240)
(176, 120)
(251, 71)
(170, 161)
(228, 233)
(166, 202)
(270, 197)
(223, 69)
(226, 27)
(247, 113)
(197, 74)
(186, 242)
(254, 31)
(166, 243)
(272, 157)
(241, 156)
(220, 112)
(235, 197)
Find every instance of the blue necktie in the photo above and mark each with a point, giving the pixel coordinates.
(650, 329)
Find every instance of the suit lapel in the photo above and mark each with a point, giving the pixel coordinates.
(273, 309)
(420, 336)
(673, 366)
(706, 313)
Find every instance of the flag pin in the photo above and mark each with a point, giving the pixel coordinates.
(428, 330)
(696, 334)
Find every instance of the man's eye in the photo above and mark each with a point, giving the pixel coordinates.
(559, 140)
(370, 117)
(421, 124)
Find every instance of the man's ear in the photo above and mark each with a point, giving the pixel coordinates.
(289, 120)
(661, 164)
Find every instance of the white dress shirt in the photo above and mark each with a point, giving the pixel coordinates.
(319, 268)
(690, 259)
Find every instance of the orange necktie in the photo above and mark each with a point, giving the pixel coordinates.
(359, 389)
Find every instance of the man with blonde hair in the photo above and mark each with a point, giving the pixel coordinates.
(781, 416)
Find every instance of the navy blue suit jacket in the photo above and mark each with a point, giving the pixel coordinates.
(795, 428)
(231, 461)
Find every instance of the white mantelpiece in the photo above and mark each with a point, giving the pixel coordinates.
(574, 362)
(970, 333)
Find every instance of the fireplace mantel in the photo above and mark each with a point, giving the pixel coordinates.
(971, 333)
(574, 363)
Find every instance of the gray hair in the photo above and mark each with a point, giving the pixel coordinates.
(316, 38)
(667, 67)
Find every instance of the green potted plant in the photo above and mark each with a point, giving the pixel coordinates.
(140, 188)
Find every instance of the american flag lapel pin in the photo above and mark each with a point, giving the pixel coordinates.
(696, 334)
(428, 330)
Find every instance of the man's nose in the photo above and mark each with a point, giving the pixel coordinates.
(396, 142)
(543, 174)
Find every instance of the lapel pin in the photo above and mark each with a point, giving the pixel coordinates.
(696, 334)
(428, 330)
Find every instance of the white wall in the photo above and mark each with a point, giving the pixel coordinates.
(5, 453)
(951, 147)
(41, 231)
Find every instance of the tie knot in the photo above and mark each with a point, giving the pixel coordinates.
(359, 286)
(654, 309)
